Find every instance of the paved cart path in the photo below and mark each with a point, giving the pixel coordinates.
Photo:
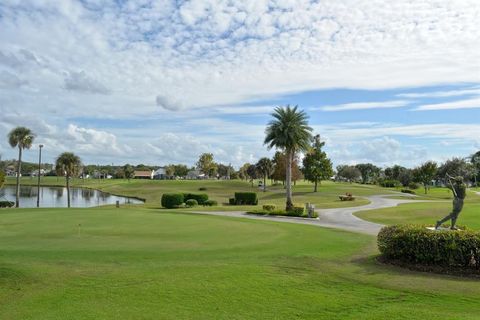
(338, 218)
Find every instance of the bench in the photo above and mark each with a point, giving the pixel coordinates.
(347, 197)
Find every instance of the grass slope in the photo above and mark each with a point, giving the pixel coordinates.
(139, 263)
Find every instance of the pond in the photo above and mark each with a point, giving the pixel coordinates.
(57, 197)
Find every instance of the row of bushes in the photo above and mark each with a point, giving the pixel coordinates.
(244, 198)
(271, 210)
(416, 245)
(6, 204)
(199, 197)
(175, 200)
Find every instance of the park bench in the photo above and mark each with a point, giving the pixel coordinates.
(347, 197)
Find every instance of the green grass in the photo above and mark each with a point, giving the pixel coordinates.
(221, 191)
(139, 263)
(428, 213)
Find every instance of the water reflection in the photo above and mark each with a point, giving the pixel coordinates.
(57, 197)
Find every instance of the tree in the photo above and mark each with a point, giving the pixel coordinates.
(242, 172)
(22, 138)
(68, 165)
(349, 173)
(425, 173)
(475, 161)
(170, 170)
(405, 177)
(368, 171)
(456, 167)
(206, 164)
(265, 168)
(224, 171)
(316, 165)
(181, 170)
(289, 132)
(128, 171)
(252, 173)
(2, 178)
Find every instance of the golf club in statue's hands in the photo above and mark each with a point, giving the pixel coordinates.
(459, 193)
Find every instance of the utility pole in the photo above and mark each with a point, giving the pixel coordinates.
(39, 165)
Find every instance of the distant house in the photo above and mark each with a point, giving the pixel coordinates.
(160, 174)
(35, 172)
(195, 175)
(143, 174)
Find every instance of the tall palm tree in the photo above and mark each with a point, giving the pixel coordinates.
(22, 138)
(264, 167)
(68, 165)
(288, 131)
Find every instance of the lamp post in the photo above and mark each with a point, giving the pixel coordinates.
(38, 184)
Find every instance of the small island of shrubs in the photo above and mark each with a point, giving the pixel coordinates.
(179, 200)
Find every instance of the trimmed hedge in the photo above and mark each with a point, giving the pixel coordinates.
(390, 183)
(414, 244)
(6, 204)
(200, 197)
(408, 191)
(269, 207)
(246, 198)
(297, 211)
(172, 200)
(191, 203)
(210, 203)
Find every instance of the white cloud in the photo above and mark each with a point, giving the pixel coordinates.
(441, 94)
(365, 105)
(81, 82)
(462, 104)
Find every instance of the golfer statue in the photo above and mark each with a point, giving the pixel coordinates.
(459, 191)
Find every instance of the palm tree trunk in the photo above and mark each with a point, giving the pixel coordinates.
(289, 204)
(68, 190)
(19, 169)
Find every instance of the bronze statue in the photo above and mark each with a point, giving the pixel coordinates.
(459, 193)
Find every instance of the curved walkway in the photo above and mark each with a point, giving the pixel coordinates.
(338, 218)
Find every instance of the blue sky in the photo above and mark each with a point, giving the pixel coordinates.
(160, 82)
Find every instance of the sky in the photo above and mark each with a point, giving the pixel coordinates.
(159, 82)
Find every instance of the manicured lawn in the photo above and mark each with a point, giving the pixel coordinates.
(141, 263)
(221, 191)
(428, 213)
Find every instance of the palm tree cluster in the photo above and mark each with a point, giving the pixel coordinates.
(67, 164)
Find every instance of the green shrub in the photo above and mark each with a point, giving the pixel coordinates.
(408, 191)
(191, 203)
(6, 204)
(246, 198)
(297, 211)
(231, 201)
(279, 212)
(269, 207)
(413, 186)
(200, 197)
(390, 183)
(210, 203)
(414, 244)
(172, 200)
